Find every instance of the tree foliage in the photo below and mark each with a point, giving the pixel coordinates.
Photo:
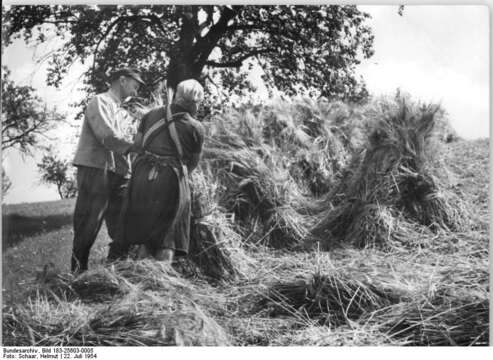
(6, 183)
(56, 171)
(24, 116)
(315, 47)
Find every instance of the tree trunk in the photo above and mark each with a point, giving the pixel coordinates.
(191, 52)
(59, 188)
(180, 66)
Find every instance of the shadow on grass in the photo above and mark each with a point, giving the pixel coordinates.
(16, 227)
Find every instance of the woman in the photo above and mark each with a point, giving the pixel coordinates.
(158, 211)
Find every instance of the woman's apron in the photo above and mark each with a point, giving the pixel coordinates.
(178, 235)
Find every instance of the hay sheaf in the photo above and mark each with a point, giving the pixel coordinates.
(331, 299)
(366, 225)
(392, 177)
(215, 246)
(432, 325)
(258, 194)
(143, 322)
(95, 285)
(454, 311)
(315, 138)
(156, 307)
(270, 161)
(99, 285)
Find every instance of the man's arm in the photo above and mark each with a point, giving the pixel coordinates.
(98, 115)
(139, 137)
(137, 145)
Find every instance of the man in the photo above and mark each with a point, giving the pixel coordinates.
(102, 165)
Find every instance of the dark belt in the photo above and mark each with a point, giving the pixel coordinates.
(160, 161)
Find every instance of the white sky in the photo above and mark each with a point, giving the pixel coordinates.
(435, 53)
(22, 170)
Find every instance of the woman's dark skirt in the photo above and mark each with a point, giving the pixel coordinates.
(151, 212)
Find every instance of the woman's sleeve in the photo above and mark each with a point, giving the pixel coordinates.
(198, 135)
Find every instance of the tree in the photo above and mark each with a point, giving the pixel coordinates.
(55, 171)
(315, 47)
(6, 183)
(24, 116)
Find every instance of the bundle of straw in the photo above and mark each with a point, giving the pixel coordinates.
(431, 325)
(212, 247)
(311, 170)
(153, 306)
(392, 177)
(454, 310)
(333, 299)
(365, 225)
(257, 193)
(142, 322)
(270, 159)
(99, 285)
(318, 145)
(215, 246)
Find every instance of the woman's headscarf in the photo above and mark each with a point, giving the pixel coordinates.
(189, 95)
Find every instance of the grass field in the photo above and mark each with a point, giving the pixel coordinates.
(35, 234)
(25, 220)
(432, 293)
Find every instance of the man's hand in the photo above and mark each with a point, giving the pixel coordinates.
(135, 148)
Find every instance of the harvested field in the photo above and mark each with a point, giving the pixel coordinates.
(128, 303)
(314, 223)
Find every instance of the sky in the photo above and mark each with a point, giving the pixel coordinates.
(21, 169)
(438, 54)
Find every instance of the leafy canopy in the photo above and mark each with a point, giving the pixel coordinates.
(25, 118)
(56, 171)
(314, 47)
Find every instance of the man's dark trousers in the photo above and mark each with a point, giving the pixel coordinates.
(100, 196)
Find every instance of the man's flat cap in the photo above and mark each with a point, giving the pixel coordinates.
(130, 72)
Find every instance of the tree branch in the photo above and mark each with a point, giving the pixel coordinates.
(157, 21)
(233, 28)
(274, 30)
(18, 139)
(206, 44)
(37, 127)
(108, 30)
(237, 62)
(56, 22)
(6, 125)
(153, 18)
(209, 9)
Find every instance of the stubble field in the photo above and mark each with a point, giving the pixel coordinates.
(322, 253)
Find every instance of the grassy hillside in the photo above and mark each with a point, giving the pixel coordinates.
(24, 220)
(35, 234)
(269, 264)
